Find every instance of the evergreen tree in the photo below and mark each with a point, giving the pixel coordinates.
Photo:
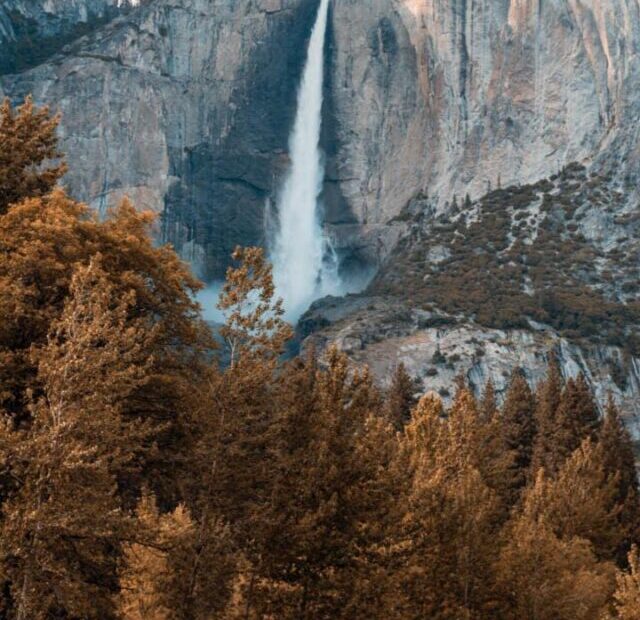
(254, 328)
(28, 150)
(616, 451)
(489, 403)
(42, 241)
(401, 397)
(145, 574)
(580, 501)
(450, 525)
(458, 439)
(627, 596)
(518, 434)
(577, 418)
(324, 522)
(546, 452)
(172, 572)
(63, 521)
(541, 576)
(420, 435)
(234, 457)
(494, 459)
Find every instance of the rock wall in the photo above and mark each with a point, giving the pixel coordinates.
(452, 96)
(186, 106)
(32, 31)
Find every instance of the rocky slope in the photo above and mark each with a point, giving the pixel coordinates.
(502, 282)
(437, 348)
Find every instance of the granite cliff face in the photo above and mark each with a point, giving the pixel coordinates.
(186, 106)
(30, 32)
(450, 96)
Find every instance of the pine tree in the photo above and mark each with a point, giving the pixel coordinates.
(577, 418)
(401, 397)
(518, 435)
(616, 451)
(546, 452)
(145, 574)
(450, 525)
(580, 502)
(489, 403)
(172, 572)
(321, 531)
(458, 439)
(235, 455)
(421, 433)
(493, 458)
(254, 328)
(28, 150)
(238, 413)
(42, 241)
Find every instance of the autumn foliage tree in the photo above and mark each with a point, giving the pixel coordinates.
(542, 576)
(169, 571)
(451, 517)
(237, 415)
(101, 344)
(42, 242)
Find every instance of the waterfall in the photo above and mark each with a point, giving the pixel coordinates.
(304, 263)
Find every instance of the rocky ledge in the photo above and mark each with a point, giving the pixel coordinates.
(436, 348)
(502, 282)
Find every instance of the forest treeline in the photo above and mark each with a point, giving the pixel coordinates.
(140, 479)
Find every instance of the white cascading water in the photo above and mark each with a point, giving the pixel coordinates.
(304, 265)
